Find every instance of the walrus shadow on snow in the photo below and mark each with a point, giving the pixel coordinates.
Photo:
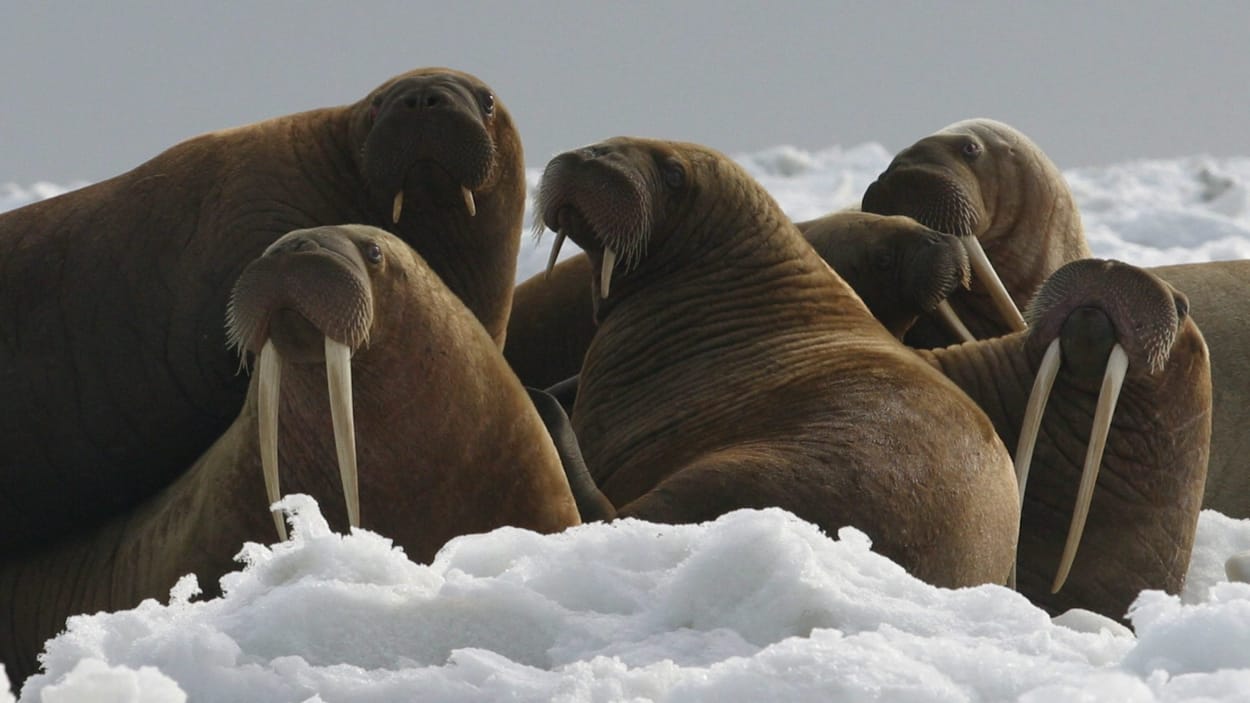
(446, 438)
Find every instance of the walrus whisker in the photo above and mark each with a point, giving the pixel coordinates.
(339, 378)
(982, 267)
(1113, 380)
(951, 319)
(397, 207)
(268, 383)
(1032, 424)
(1237, 568)
(605, 274)
(555, 254)
(469, 203)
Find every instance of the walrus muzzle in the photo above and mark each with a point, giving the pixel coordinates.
(308, 295)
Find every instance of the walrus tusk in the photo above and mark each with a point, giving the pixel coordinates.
(1237, 568)
(605, 274)
(469, 203)
(1117, 367)
(339, 377)
(268, 383)
(953, 323)
(1032, 424)
(984, 270)
(397, 207)
(555, 254)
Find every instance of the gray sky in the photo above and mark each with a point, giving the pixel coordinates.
(91, 89)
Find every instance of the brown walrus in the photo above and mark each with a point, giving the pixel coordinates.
(1218, 294)
(1143, 505)
(984, 178)
(447, 439)
(900, 268)
(732, 368)
(986, 182)
(114, 372)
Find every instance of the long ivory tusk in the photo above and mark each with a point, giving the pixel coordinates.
(268, 383)
(1032, 423)
(555, 254)
(984, 270)
(339, 377)
(605, 275)
(1237, 568)
(469, 203)
(397, 207)
(951, 319)
(1117, 367)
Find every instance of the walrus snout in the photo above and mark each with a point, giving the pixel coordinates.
(440, 118)
(598, 196)
(311, 283)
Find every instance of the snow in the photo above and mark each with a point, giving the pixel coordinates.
(757, 605)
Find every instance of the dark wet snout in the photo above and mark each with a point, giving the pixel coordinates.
(308, 285)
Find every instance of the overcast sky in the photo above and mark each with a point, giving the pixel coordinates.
(91, 89)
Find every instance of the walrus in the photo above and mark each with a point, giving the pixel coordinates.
(984, 178)
(114, 372)
(1127, 375)
(447, 439)
(898, 267)
(732, 368)
(989, 184)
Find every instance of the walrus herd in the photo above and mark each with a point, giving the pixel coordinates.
(324, 303)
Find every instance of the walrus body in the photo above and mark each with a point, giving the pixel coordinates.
(732, 368)
(900, 268)
(448, 439)
(1147, 496)
(114, 372)
(984, 178)
(1218, 293)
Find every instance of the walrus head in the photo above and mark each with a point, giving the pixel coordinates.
(899, 267)
(429, 138)
(970, 180)
(1102, 321)
(620, 200)
(309, 299)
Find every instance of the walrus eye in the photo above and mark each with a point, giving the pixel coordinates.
(972, 150)
(373, 253)
(488, 103)
(884, 261)
(674, 174)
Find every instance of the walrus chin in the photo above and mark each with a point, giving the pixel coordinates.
(1147, 349)
(273, 306)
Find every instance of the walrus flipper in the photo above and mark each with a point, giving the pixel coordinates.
(591, 502)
